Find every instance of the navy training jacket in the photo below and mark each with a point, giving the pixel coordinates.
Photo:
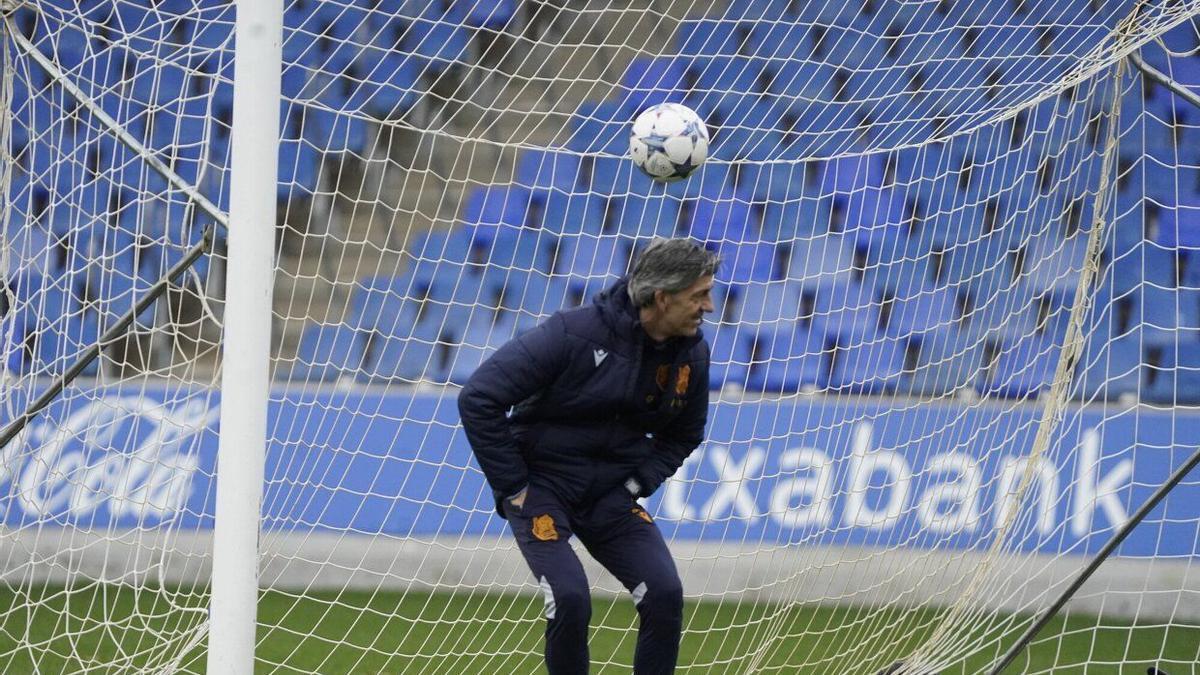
(575, 427)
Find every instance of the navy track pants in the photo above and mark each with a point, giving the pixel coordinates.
(621, 536)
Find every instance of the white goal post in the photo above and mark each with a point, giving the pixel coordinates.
(956, 345)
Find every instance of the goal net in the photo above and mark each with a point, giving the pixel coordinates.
(956, 342)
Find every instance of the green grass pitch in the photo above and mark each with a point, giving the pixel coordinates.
(110, 629)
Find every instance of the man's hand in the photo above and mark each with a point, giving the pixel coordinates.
(518, 500)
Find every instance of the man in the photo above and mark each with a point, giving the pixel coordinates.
(608, 401)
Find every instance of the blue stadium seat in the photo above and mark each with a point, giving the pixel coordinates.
(821, 259)
(1179, 227)
(650, 81)
(847, 312)
(411, 351)
(587, 256)
(764, 306)
(571, 212)
(788, 359)
(1021, 367)
(702, 38)
(734, 75)
(522, 248)
(487, 332)
(903, 275)
(874, 366)
(614, 176)
(61, 340)
(382, 302)
(921, 312)
(758, 10)
(1173, 374)
(1167, 315)
(782, 180)
(711, 181)
(1109, 368)
(877, 220)
(299, 164)
(730, 356)
(797, 82)
(851, 173)
(1054, 263)
(800, 217)
(948, 360)
(639, 216)
(727, 218)
(1145, 264)
(548, 169)
(327, 352)
(748, 261)
(335, 132)
(598, 127)
(489, 206)
(442, 43)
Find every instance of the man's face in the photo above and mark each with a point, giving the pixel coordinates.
(683, 312)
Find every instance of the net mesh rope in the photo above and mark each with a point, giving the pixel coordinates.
(902, 195)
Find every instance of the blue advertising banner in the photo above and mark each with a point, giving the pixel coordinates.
(772, 473)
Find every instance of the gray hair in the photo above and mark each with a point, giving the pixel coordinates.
(669, 265)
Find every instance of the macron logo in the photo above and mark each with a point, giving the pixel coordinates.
(600, 355)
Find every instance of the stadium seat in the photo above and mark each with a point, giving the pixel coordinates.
(851, 173)
(873, 366)
(1021, 367)
(702, 38)
(489, 206)
(1109, 368)
(442, 43)
(650, 81)
(798, 217)
(487, 332)
(846, 312)
(1145, 264)
(492, 15)
(764, 306)
(571, 212)
(1172, 374)
(821, 259)
(546, 169)
(733, 75)
(587, 256)
(748, 261)
(522, 248)
(788, 359)
(639, 216)
(618, 176)
(730, 356)
(327, 352)
(411, 351)
(599, 128)
(798, 82)
(727, 218)
(1054, 262)
(395, 81)
(1167, 315)
(921, 311)
(948, 360)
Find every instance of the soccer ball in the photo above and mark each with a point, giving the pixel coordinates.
(668, 142)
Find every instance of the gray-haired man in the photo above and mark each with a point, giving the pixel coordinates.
(608, 401)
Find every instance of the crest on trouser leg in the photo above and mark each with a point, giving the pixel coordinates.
(543, 528)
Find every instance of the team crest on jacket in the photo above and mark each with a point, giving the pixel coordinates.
(660, 377)
(543, 528)
(681, 380)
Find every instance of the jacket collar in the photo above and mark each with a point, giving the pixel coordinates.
(623, 318)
